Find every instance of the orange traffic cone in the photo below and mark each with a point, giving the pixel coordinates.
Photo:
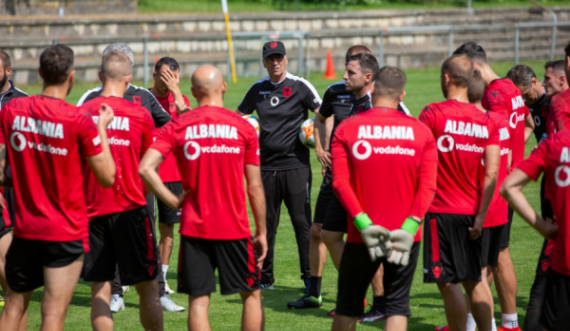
(329, 74)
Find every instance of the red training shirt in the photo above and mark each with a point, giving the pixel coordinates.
(384, 164)
(497, 214)
(560, 108)
(211, 145)
(503, 97)
(47, 141)
(168, 170)
(462, 133)
(552, 156)
(129, 134)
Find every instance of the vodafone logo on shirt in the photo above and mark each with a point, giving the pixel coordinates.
(361, 149)
(514, 119)
(562, 173)
(446, 144)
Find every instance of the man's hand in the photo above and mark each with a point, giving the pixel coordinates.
(260, 244)
(376, 239)
(171, 81)
(324, 158)
(106, 115)
(401, 243)
(177, 204)
(477, 228)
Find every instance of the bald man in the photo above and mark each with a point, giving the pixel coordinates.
(465, 136)
(120, 229)
(214, 235)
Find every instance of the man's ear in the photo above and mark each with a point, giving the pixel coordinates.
(8, 70)
(101, 77)
(224, 87)
(71, 76)
(402, 96)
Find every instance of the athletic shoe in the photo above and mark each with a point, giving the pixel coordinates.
(307, 301)
(504, 328)
(126, 288)
(266, 286)
(372, 315)
(332, 313)
(117, 303)
(307, 282)
(169, 305)
(442, 328)
(167, 288)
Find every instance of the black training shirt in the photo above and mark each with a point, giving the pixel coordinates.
(12, 93)
(539, 111)
(281, 108)
(365, 103)
(138, 95)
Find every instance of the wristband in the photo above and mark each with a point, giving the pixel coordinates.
(411, 226)
(362, 221)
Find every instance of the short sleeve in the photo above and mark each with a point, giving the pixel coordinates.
(147, 134)
(326, 109)
(251, 146)
(427, 117)
(164, 140)
(494, 134)
(88, 136)
(536, 162)
(248, 104)
(159, 115)
(494, 100)
(311, 99)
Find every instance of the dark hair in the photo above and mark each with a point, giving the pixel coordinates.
(5, 58)
(170, 62)
(473, 51)
(459, 68)
(521, 75)
(389, 82)
(476, 87)
(356, 49)
(557, 66)
(56, 62)
(368, 63)
(567, 49)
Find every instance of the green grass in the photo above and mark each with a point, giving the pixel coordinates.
(214, 6)
(225, 311)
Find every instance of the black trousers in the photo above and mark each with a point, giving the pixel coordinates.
(117, 289)
(294, 188)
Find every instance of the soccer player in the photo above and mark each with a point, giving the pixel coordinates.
(282, 101)
(214, 235)
(167, 92)
(120, 230)
(45, 140)
(7, 217)
(551, 157)
(145, 98)
(554, 78)
(382, 139)
(465, 136)
(502, 96)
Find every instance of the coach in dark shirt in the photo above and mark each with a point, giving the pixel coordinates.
(282, 102)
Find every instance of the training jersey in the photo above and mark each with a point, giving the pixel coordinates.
(539, 111)
(138, 95)
(497, 214)
(384, 141)
(129, 134)
(560, 109)
(168, 170)
(282, 108)
(212, 146)
(47, 141)
(462, 133)
(365, 102)
(503, 97)
(337, 101)
(11, 93)
(552, 157)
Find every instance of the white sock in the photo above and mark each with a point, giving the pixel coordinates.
(164, 270)
(493, 325)
(510, 320)
(471, 324)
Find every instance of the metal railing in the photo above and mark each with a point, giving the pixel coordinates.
(519, 26)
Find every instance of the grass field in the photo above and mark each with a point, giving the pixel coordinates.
(427, 309)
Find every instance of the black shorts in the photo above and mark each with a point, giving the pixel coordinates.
(449, 255)
(4, 230)
(329, 211)
(545, 205)
(506, 237)
(556, 305)
(325, 194)
(491, 245)
(236, 261)
(26, 259)
(356, 273)
(166, 214)
(126, 239)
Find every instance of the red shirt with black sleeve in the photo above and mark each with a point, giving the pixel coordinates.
(211, 146)
(462, 133)
(497, 214)
(384, 164)
(503, 97)
(48, 141)
(552, 156)
(129, 134)
(168, 170)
